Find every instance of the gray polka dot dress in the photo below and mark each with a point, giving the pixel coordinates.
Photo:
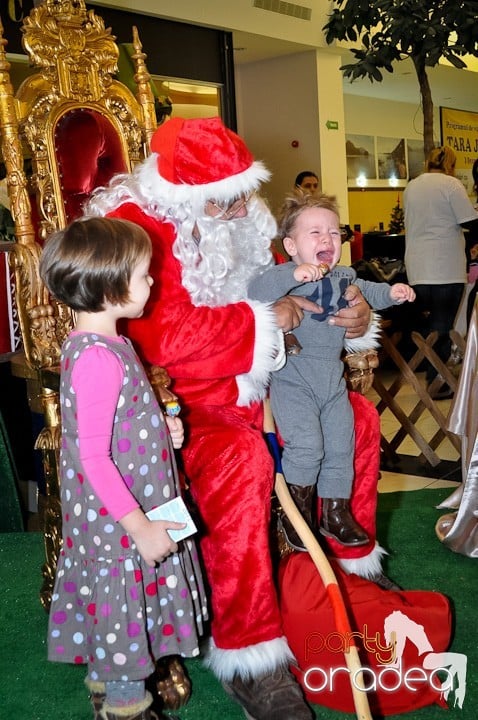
(109, 609)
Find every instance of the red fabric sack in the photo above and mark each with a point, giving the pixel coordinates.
(423, 620)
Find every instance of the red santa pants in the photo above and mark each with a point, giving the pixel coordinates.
(231, 473)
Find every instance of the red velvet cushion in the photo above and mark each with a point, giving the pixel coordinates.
(310, 628)
(89, 152)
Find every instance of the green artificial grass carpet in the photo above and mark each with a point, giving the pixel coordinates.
(31, 688)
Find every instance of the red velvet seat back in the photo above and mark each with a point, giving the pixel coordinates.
(88, 153)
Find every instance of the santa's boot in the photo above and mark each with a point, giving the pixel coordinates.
(338, 523)
(304, 498)
(97, 696)
(271, 696)
(136, 711)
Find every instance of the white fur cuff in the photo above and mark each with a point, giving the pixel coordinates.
(268, 351)
(370, 340)
(250, 661)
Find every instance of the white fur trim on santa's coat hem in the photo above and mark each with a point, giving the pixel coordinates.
(370, 340)
(268, 347)
(250, 661)
(368, 566)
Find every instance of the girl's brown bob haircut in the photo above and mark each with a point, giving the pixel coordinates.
(92, 260)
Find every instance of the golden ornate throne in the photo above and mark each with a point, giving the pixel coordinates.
(78, 125)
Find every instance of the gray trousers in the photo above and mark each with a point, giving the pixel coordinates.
(311, 407)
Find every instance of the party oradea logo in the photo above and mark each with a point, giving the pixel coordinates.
(444, 672)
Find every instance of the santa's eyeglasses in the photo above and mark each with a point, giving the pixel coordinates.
(226, 211)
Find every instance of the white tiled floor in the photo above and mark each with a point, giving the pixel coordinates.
(391, 481)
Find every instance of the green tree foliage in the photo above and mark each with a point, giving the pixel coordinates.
(392, 30)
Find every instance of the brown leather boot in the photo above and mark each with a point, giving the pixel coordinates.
(304, 497)
(273, 696)
(337, 523)
(384, 582)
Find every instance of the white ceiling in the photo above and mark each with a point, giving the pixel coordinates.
(450, 87)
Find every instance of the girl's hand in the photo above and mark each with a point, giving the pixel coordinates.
(176, 430)
(150, 536)
(154, 543)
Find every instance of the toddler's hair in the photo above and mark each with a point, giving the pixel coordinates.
(92, 260)
(295, 203)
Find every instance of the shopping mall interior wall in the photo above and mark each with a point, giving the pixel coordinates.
(276, 103)
(368, 116)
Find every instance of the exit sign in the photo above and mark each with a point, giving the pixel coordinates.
(332, 124)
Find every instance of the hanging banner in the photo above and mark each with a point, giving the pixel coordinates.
(459, 130)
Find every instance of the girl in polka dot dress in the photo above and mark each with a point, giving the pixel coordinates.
(125, 593)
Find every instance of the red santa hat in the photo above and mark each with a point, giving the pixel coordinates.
(199, 159)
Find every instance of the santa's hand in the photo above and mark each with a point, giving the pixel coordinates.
(356, 317)
(289, 311)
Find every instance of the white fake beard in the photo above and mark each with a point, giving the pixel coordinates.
(217, 270)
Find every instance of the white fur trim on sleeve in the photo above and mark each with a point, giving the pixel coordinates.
(370, 340)
(268, 351)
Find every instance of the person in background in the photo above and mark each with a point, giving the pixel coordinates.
(125, 592)
(309, 398)
(308, 182)
(436, 209)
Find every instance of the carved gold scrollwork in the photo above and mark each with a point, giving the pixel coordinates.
(50, 506)
(143, 81)
(69, 43)
(132, 131)
(37, 315)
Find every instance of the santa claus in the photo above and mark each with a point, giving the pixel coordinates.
(196, 196)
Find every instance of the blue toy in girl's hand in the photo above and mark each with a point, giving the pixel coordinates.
(172, 408)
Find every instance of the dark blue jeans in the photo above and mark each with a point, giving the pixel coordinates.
(437, 306)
